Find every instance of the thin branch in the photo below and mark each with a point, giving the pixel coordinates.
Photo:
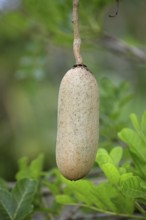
(121, 47)
(77, 40)
(140, 209)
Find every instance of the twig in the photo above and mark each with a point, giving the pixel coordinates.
(121, 47)
(77, 40)
(140, 209)
(114, 214)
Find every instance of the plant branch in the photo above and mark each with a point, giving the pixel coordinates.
(141, 210)
(77, 40)
(121, 47)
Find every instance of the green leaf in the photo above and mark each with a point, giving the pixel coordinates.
(36, 167)
(135, 122)
(53, 187)
(140, 128)
(83, 191)
(116, 155)
(3, 184)
(17, 204)
(111, 172)
(124, 205)
(140, 166)
(143, 184)
(132, 187)
(107, 165)
(126, 176)
(23, 169)
(103, 157)
(143, 123)
(64, 199)
(32, 171)
(23, 193)
(87, 194)
(112, 199)
(7, 205)
(102, 197)
(135, 142)
(104, 192)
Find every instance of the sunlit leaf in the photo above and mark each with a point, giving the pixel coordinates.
(64, 199)
(104, 192)
(33, 171)
(116, 155)
(135, 121)
(135, 142)
(143, 123)
(127, 206)
(132, 187)
(107, 165)
(37, 166)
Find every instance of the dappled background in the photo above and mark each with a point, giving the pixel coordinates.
(36, 51)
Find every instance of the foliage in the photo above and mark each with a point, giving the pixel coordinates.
(120, 192)
(136, 140)
(32, 171)
(124, 191)
(113, 101)
(17, 205)
(36, 50)
(118, 186)
(51, 19)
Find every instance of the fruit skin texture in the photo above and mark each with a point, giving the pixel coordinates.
(78, 123)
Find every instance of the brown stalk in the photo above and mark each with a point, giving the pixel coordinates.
(77, 40)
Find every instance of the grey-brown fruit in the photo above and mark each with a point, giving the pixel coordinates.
(78, 123)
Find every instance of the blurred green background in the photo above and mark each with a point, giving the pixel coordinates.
(36, 51)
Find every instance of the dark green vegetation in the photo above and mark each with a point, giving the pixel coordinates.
(35, 52)
(121, 192)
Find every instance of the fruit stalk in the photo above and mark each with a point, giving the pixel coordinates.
(77, 39)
